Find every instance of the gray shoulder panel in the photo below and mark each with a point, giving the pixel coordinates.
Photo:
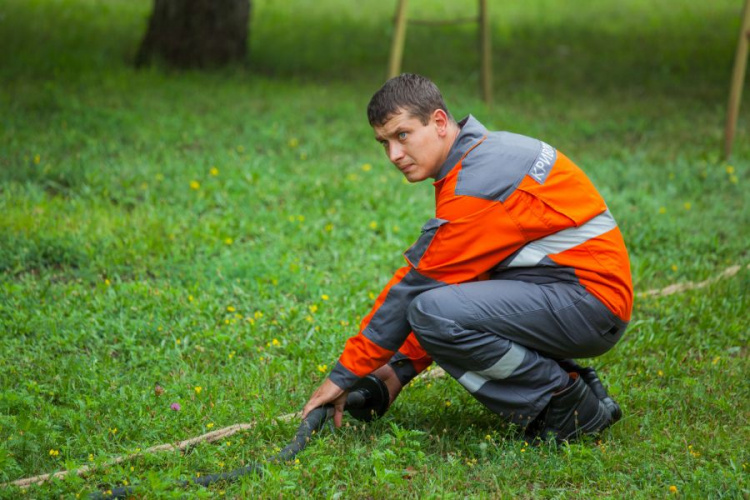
(495, 168)
(389, 327)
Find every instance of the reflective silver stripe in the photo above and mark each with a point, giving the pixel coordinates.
(473, 381)
(534, 252)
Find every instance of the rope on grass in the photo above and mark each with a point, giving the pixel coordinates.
(690, 285)
(232, 429)
(209, 437)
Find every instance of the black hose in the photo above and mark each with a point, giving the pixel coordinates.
(312, 423)
(367, 399)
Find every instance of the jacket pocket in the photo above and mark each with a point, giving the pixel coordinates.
(414, 254)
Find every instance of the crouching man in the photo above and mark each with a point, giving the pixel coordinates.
(522, 268)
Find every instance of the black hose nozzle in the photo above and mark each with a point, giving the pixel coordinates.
(368, 399)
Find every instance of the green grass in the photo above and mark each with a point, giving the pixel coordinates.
(115, 273)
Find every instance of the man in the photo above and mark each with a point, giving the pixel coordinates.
(522, 267)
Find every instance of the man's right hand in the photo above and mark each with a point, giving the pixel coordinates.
(328, 392)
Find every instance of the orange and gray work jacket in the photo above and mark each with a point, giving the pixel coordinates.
(507, 206)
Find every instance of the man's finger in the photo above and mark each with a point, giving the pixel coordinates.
(338, 414)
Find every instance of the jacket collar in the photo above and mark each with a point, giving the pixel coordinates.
(472, 132)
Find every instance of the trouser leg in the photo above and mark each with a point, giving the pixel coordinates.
(500, 338)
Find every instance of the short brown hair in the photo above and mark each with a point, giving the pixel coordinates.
(415, 94)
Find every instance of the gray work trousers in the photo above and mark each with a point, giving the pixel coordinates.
(500, 338)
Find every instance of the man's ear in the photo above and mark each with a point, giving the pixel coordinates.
(440, 118)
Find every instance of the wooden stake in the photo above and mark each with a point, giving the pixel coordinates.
(399, 36)
(486, 51)
(738, 79)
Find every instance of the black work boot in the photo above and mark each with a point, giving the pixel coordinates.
(572, 413)
(589, 375)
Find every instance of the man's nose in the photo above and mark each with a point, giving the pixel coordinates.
(395, 152)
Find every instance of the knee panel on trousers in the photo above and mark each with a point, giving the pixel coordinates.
(426, 323)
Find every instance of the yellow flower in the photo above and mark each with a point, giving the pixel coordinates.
(488, 437)
(309, 318)
(371, 295)
(198, 389)
(113, 430)
(324, 297)
(214, 171)
(54, 453)
(190, 298)
(107, 282)
(231, 354)
(293, 142)
(209, 425)
(195, 185)
(231, 309)
(276, 342)
(662, 210)
(322, 368)
(228, 241)
(91, 457)
(673, 489)
(674, 267)
(329, 228)
(296, 461)
(660, 373)
(37, 159)
(715, 360)
(366, 167)
(258, 314)
(447, 403)
(313, 308)
(125, 482)
(373, 225)
(688, 205)
(221, 465)
(733, 179)
(730, 169)
(301, 218)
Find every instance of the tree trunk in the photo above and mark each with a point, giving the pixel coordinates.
(196, 33)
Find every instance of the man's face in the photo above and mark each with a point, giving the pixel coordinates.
(417, 150)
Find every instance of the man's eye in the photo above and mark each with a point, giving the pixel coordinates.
(401, 136)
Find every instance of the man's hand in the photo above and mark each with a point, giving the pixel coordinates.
(328, 392)
(391, 381)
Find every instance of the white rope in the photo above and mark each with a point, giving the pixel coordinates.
(689, 285)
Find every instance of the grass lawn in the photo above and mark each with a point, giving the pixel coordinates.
(222, 234)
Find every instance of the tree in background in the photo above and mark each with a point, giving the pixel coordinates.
(196, 33)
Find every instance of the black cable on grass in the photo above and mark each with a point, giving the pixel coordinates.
(367, 400)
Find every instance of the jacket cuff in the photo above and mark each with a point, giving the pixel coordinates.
(342, 377)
